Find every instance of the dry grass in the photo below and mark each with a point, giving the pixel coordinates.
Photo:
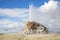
(30, 37)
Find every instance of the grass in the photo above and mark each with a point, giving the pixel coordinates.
(30, 37)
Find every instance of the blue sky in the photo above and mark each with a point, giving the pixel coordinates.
(20, 3)
(15, 13)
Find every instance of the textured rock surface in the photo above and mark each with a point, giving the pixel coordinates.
(35, 28)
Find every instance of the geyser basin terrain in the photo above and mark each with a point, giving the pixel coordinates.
(30, 37)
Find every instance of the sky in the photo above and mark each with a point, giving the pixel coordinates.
(20, 3)
(14, 14)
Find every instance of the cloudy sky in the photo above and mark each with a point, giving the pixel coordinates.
(15, 13)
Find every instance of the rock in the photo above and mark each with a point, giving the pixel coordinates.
(35, 28)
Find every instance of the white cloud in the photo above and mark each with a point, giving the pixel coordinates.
(8, 24)
(50, 6)
(13, 12)
(16, 12)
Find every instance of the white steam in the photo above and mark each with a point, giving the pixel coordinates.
(47, 14)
